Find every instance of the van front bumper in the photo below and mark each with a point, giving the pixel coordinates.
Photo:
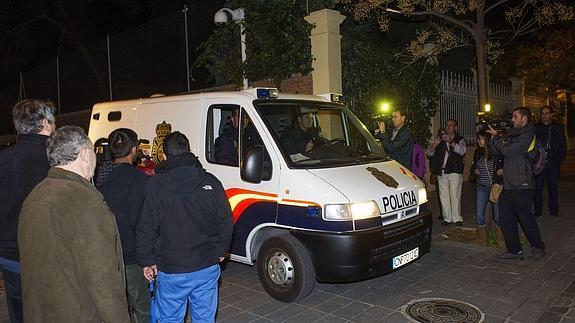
(359, 255)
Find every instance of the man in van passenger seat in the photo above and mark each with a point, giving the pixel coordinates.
(301, 137)
(226, 145)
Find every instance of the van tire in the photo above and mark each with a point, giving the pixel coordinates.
(285, 269)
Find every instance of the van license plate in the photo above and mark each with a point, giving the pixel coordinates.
(405, 258)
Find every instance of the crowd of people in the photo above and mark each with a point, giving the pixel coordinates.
(504, 176)
(72, 250)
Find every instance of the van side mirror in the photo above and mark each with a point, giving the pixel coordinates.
(252, 164)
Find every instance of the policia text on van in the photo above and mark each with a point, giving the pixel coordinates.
(314, 197)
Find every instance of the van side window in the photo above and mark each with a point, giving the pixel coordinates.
(222, 134)
(114, 116)
(250, 137)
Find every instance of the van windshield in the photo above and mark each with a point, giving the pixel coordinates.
(315, 134)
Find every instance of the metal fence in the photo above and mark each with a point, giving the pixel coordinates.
(459, 101)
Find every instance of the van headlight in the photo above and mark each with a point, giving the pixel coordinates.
(422, 195)
(351, 211)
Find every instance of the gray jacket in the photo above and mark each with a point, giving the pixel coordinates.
(517, 170)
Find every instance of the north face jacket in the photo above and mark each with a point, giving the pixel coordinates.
(186, 224)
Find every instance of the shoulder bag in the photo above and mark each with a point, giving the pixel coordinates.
(496, 189)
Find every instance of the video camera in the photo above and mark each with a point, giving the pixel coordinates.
(500, 122)
(440, 133)
(376, 118)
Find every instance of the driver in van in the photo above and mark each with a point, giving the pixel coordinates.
(301, 137)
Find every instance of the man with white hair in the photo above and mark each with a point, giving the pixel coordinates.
(70, 251)
(22, 166)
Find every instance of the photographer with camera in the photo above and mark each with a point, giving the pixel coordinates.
(446, 161)
(515, 200)
(398, 144)
(552, 135)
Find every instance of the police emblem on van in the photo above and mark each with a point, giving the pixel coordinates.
(162, 131)
(383, 177)
(399, 201)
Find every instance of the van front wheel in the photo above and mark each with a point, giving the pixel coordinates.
(285, 269)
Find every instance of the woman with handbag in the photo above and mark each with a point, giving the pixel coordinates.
(487, 169)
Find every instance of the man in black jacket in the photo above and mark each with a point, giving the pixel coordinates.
(302, 137)
(398, 143)
(552, 135)
(515, 200)
(184, 233)
(22, 166)
(124, 190)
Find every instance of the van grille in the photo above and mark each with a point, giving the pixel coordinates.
(392, 248)
(398, 216)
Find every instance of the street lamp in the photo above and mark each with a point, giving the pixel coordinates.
(221, 17)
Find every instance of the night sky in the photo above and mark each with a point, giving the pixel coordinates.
(147, 42)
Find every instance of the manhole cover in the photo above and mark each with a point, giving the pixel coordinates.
(558, 301)
(441, 310)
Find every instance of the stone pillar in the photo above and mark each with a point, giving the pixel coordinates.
(326, 50)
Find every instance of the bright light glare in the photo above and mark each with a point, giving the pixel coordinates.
(363, 210)
(351, 211)
(384, 107)
(422, 195)
(487, 107)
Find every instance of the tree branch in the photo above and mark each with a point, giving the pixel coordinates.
(19, 26)
(441, 16)
(495, 5)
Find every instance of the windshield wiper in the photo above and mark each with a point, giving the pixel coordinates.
(370, 156)
(343, 160)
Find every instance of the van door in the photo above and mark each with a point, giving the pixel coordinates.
(231, 130)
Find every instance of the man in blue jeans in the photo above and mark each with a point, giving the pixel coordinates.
(183, 234)
(22, 166)
(515, 200)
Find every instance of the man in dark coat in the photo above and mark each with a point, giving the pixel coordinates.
(72, 266)
(398, 143)
(552, 135)
(515, 200)
(124, 189)
(22, 166)
(226, 145)
(301, 137)
(183, 234)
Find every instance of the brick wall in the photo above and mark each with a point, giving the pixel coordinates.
(297, 84)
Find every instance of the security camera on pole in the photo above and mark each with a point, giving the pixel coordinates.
(221, 17)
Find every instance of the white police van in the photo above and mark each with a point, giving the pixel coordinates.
(341, 212)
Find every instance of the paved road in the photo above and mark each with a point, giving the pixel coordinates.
(505, 291)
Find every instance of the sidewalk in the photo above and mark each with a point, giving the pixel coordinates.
(503, 291)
